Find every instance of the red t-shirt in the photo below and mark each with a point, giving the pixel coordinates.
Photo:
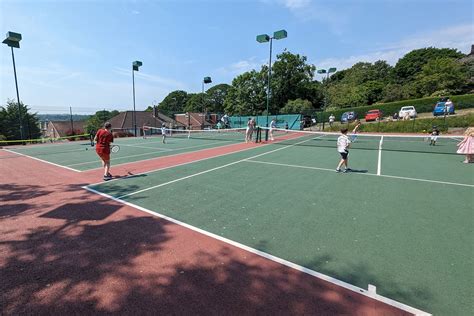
(104, 138)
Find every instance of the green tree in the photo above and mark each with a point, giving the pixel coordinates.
(291, 79)
(297, 106)
(197, 102)
(393, 92)
(247, 95)
(362, 84)
(97, 120)
(442, 76)
(10, 124)
(410, 65)
(174, 102)
(216, 97)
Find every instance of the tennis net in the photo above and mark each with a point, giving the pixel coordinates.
(233, 134)
(405, 143)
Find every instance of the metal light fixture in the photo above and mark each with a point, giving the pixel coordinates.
(13, 40)
(263, 38)
(135, 65)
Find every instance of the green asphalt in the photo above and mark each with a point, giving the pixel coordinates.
(81, 156)
(411, 239)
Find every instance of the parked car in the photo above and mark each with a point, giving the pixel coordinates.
(407, 110)
(373, 115)
(348, 117)
(441, 107)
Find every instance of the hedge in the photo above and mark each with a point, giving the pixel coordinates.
(421, 106)
(411, 126)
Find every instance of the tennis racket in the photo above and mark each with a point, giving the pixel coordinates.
(115, 148)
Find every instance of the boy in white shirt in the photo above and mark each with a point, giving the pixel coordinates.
(163, 133)
(343, 144)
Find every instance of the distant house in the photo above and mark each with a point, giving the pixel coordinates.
(197, 120)
(123, 122)
(56, 129)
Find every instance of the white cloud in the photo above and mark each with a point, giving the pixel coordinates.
(169, 83)
(296, 4)
(459, 37)
(241, 66)
(308, 10)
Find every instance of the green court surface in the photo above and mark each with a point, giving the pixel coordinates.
(81, 156)
(408, 230)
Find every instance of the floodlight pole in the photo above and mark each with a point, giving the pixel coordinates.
(135, 66)
(17, 96)
(262, 39)
(134, 119)
(205, 80)
(269, 80)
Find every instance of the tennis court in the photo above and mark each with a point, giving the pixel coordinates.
(402, 220)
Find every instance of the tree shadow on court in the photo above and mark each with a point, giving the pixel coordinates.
(20, 192)
(68, 261)
(83, 265)
(8, 210)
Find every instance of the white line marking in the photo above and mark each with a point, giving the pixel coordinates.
(366, 174)
(51, 163)
(145, 147)
(209, 170)
(273, 258)
(149, 153)
(379, 162)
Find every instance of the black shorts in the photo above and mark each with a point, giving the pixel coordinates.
(344, 155)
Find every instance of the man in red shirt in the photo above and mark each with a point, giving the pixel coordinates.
(103, 138)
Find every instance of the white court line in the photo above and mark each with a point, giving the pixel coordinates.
(379, 161)
(145, 147)
(368, 293)
(145, 154)
(210, 170)
(51, 163)
(366, 174)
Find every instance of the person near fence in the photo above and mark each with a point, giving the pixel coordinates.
(272, 128)
(163, 133)
(249, 130)
(331, 119)
(466, 146)
(447, 106)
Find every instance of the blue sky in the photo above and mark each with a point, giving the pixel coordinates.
(79, 53)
